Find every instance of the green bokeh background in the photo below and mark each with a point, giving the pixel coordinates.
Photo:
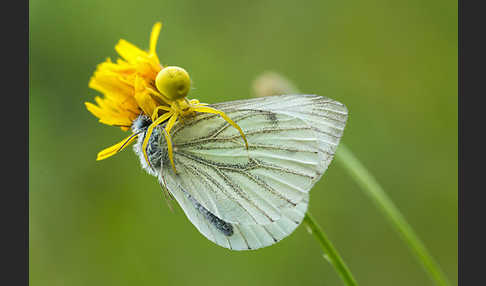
(393, 63)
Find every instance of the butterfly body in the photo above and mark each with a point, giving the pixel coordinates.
(155, 148)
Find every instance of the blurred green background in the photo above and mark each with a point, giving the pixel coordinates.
(393, 63)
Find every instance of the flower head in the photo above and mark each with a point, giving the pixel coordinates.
(124, 84)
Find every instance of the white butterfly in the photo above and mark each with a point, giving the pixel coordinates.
(247, 198)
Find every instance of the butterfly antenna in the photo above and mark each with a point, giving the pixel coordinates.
(163, 184)
(168, 199)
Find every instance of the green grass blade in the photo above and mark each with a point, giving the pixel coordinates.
(330, 251)
(371, 187)
(271, 83)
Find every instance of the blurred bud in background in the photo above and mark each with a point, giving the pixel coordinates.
(272, 83)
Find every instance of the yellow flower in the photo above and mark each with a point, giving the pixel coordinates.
(125, 84)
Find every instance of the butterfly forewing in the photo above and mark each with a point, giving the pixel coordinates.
(247, 186)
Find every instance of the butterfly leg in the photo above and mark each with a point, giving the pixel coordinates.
(207, 109)
(161, 119)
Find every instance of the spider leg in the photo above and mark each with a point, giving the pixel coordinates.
(158, 96)
(167, 129)
(206, 109)
(196, 102)
(171, 123)
(149, 132)
(156, 111)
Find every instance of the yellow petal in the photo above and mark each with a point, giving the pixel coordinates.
(154, 36)
(129, 51)
(108, 82)
(95, 110)
(110, 116)
(110, 151)
(119, 121)
(144, 100)
(147, 69)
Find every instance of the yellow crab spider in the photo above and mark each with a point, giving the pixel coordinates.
(174, 83)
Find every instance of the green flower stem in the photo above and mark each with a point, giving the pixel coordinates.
(330, 251)
(371, 187)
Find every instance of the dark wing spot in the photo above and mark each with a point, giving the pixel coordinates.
(272, 117)
(221, 225)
